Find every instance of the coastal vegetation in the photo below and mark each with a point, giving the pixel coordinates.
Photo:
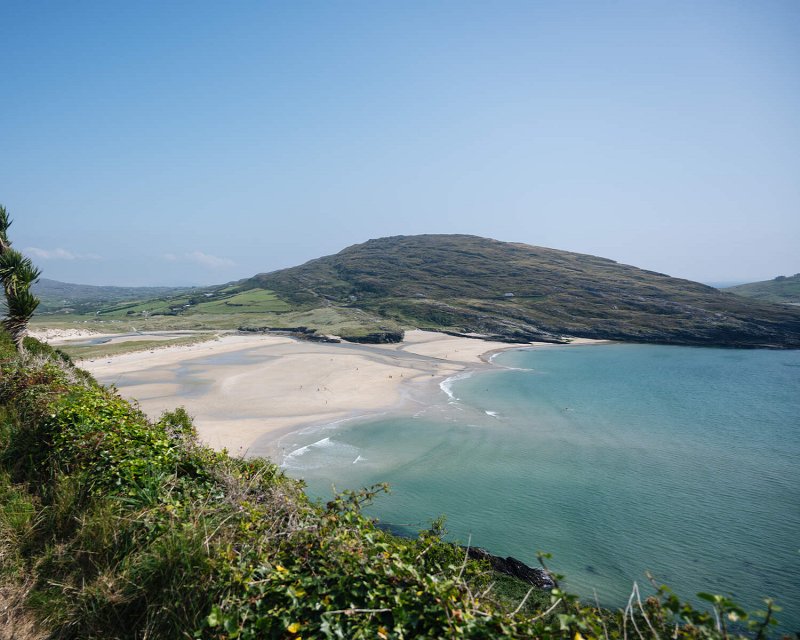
(116, 526)
(17, 274)
(465, 285)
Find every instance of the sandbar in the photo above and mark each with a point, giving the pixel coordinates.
(242, 388)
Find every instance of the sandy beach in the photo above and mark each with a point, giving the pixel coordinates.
(241, 388)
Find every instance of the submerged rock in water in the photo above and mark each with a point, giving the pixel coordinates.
(539, 578)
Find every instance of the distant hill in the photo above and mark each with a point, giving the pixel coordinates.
(58, 296)
(469, 284)
(783, 289)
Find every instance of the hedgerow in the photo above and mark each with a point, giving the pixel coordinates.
(116, 526)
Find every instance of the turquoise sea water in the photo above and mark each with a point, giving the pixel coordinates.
(617, 459)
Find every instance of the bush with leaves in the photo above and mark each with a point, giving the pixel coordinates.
(17, 274)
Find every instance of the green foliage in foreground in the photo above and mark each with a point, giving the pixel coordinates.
(113, 526)
(17, 274)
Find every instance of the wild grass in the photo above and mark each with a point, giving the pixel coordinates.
(87, 352)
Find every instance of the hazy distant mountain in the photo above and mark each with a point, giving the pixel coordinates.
(783, 289)
(471, 284)
(84, 298)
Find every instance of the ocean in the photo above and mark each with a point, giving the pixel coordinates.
(618, 459)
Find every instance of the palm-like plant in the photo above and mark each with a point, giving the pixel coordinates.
(5, 223)
(17, 274)
(20, 311)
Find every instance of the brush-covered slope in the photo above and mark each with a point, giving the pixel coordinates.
(471, 284)
(783, 289)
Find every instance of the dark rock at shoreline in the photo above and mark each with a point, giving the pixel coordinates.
(515, 568)
(509, 566)
(379, 337)
(301, 333)
(513, 338)
(304, 333)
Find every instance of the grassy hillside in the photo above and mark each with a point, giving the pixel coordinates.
(116, 527)
(783, 290)
(58, 296)
(231, 306)
(466, 283)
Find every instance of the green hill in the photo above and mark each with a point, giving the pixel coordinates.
(471, 284)
(463, 284)
(783, 289)
(83, 298)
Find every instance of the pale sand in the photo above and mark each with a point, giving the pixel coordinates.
(59, 336)
(271, 384)
(260, 385)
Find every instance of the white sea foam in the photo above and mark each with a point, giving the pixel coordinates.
(503, 366)
(326, 451)
(447, 384)
(493, 414)
(335, 424)
(304, 450)
(359, 458)
(324, 443)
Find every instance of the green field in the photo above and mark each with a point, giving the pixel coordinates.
(221, 301)
(158, 306)
(339, 321)
(252, 301)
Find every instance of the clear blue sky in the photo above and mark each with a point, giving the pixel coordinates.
(201, 142)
